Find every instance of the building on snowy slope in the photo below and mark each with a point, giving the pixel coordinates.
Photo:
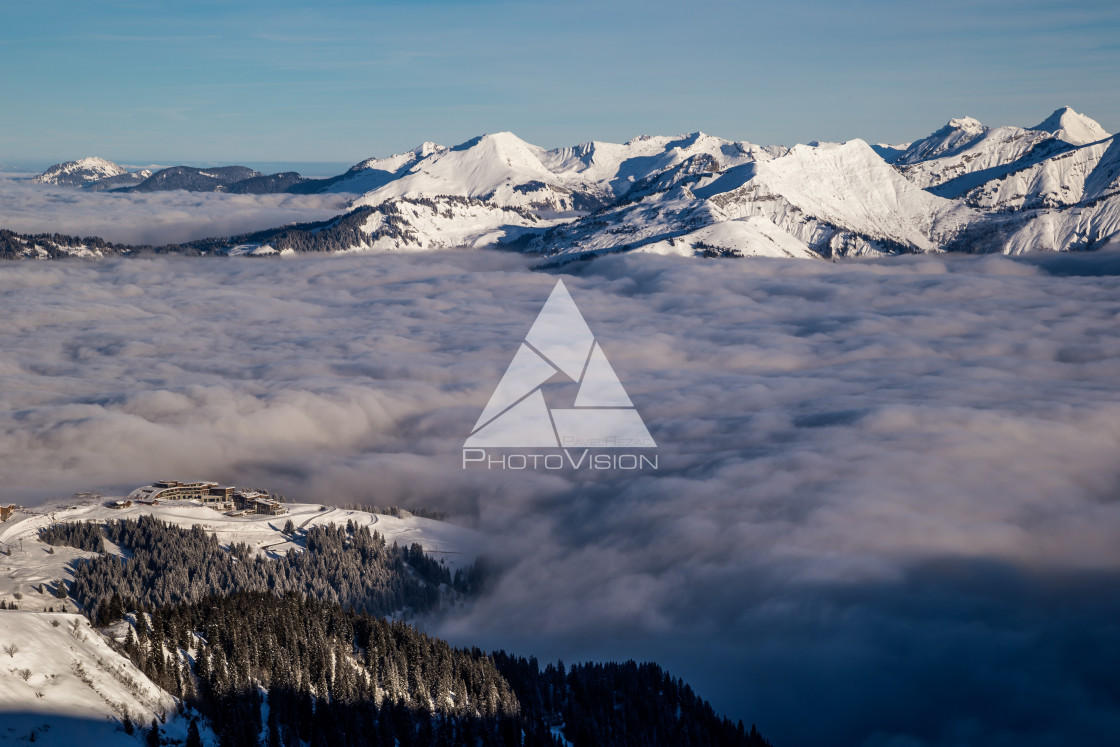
(7, 511)
(210, 494)
(269, 508)
(250, 501)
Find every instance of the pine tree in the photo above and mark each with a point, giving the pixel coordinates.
(152, 740)
(131, 647)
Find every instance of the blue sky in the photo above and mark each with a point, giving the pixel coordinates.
(342, 80)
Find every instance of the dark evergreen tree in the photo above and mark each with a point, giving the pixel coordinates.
(152, 738)
(194, 739)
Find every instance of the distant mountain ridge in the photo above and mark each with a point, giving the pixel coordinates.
(193, 179)
(965, 187)
(98, 174)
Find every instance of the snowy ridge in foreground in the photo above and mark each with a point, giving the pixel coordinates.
(64, 684)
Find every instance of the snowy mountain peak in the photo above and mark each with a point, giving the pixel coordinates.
(499, 167)
(1076, 129)
(968, 124)
(95, 162)
(80, 172)
(957, 134)
(503, 142)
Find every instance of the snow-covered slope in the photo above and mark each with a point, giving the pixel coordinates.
(371, 173)
(847, 191)
(501, 169)
(972, 152)
(1048, 187)
(1085, 173)
(61, 683)
(1091, 225)
(615, 169)
(412, 224)
(955, 136)
(131, 179)
(742, 237)
(965, 153)
(81, 172)
(661, 217)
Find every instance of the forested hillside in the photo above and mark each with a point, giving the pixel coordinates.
(337, 677)
(349, 565)
(297, 649)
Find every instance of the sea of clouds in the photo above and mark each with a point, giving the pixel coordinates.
(155, 218)
(888, 500)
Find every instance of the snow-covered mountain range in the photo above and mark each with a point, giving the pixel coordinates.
(966, 187)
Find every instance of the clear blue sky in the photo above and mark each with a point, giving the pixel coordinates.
(340, 81)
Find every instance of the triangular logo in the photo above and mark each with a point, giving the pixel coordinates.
(560, 344)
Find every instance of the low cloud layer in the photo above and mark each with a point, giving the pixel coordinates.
(151, 217)
(889, 491)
